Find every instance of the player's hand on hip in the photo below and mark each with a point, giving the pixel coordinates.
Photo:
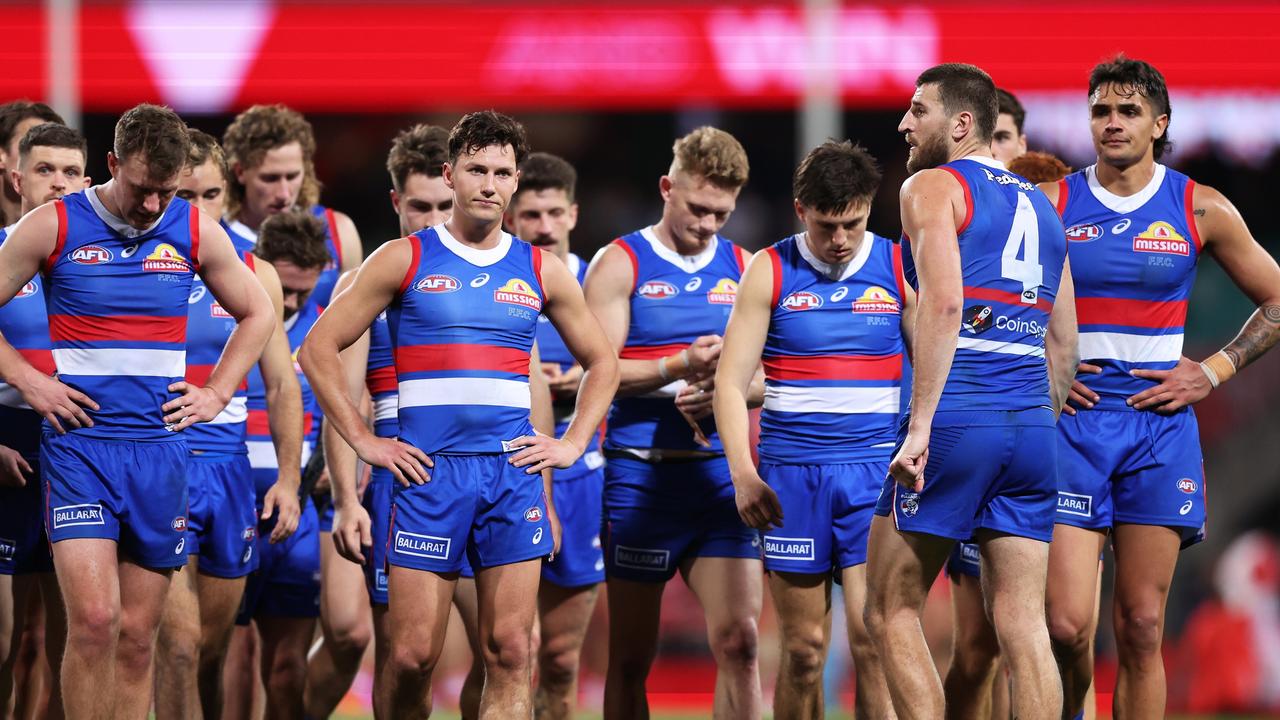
(758, 504)
(704, 354)
(908, 465)
(407, 463)
(538, 452)
(352, 532)
(195, 404)
(695, 399)
(281, 501)
(63, 406)
(1185, 384)
(1081, 396)
(14, 468)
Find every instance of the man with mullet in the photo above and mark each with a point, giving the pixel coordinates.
(994, 352)
(462, 301)
(118, 261)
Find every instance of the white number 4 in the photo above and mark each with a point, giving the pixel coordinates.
(1024, 233)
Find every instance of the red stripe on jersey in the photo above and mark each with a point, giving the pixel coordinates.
(1062, 196)
(248, 260)
(381, 380)
(416, 248)
(118, 327)
(834, 367)
(62, 235)
(460, 356)
(332, 222)
(899, 275)
(968, 198)
(260, 423)
(635, 261)
(41, 360)
(1008, 298)
(1134, 313)
(1189, 203)
(194, 219)
(650, 352)
(199, 375)
(737, 257)
(776, 261)
(536, 257)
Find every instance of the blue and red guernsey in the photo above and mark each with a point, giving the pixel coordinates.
(262, 452)
(551, 349)
(1133, 262)
(833, 355)
(25, 325)
(323, 291)
(208, 329)
(380, 377)
(675, 299)
(462, 327)
(1012, 251)
(117, 302)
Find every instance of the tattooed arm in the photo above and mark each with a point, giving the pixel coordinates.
(1224, 235)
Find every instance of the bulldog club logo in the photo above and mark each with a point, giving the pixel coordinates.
(90, 255)
(876, 299)
(909, 504)
(723, 293)
(518, 292)
(657, 290)
(1160, 237)
(28, 290)
(165, 258)
(437, 284)
(1084, 233)
(801, 301)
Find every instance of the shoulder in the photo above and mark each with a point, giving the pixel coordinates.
(934, 182)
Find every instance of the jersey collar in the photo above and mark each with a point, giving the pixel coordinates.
(688, 263)
(839, 273)
(1127, 203)
(116, 223)
(475, 256)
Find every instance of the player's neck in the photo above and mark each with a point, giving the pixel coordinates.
(106, 196)
(968, 148)
(672, 241)
(479, 234)
(250, 219)
(1125, 180)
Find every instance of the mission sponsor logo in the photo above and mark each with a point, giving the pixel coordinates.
(29, 289)
(977, 319)
(1084, 233)
(438, 284)
(657, 290)
(1160, 237)
(784, 548)
(723, 293)
(641, 558)
(90, 255)
(518, 292)
(801, 301)
(1075, 504)
(72, 515)
(165, 258)
(876, 299)
(1188, 486)
(425, 546)
(217, 311)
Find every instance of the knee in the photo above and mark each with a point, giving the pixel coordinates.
(1138, 630)
(558, 661)
(1070, 631)
(93, 628)
(288, 672)
(179, 650)
(351, 640)
(508, 651)
(805, 654)
(411, 660)
(735, 642)
(974, 656)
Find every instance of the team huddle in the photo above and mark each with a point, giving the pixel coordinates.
(201, 372)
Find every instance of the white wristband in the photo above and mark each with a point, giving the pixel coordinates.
(1211, 374)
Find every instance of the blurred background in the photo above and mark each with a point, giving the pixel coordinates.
(609, 86)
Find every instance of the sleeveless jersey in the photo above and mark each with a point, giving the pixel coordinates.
(833, 356)
(380, 378)
(323, 291)
(208, 329)
(1133, 261)
(117, 301)
(25, 325)
(551, 349)
(262, 452)
(674, 300)
(1011, 255)
(462, 327)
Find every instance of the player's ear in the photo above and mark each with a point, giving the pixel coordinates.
(395, 201)
(446, 172)
(799, 210)
(664, 187)
(962, 125)
(113, 163)
(15, 180)
(1162, 124)
(88, 181)
(573, 216)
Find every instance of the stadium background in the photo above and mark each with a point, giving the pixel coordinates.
(609, 86)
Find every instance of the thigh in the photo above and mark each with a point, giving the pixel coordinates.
(142, 594)
(1167, 488)
(1146, 556)
(580, 561)
(1073, 572)
(153, 488)
(1023, 494)
(508, 599)
(511, 523)
(901, 566)
(88, 574)
(343, 600)
(80, 488)
(466, 599)
(729, 589)
(855, 488)
(430, 524)
(565, 612)
(418, 612)
(641, 604)
(1014, 570)
(803, 603)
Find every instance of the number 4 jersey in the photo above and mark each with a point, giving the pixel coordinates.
(1012, 250)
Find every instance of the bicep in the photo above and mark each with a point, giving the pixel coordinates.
(1062, 319)
(1228, 239)
(608, 291)
(567, 310)
(744, 337)
(26, 249)
(232, 283)
(375, 287)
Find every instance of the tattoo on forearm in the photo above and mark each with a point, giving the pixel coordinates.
(1258, 335)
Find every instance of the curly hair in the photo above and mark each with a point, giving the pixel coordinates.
(420, 149)
(479, 130)
(1039, 167)
(262, 128)
(296, 236)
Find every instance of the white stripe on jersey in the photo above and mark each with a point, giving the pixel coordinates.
(464, 391)
(129, 362)
(262, 454)
(997, 346)
(385, 408)
(1130, 348)
(10, 397)
(236, 411)
(826, 399)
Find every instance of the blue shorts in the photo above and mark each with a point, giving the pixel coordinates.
(377, 502)
(659, 514)
(287, 581)
(987, 469)
(1148, 471)
(222, 523)
(24, 547)
(826, 515)
(965, 559)
(130, 491)
(581, 559)
(477, 505)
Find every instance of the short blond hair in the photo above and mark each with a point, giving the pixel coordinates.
(713, 154)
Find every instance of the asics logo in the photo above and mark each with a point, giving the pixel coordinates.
(693, 284)
(1120, 227)
(480, 280)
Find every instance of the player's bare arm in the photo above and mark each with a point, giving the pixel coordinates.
(238, 291)
(1062, 341)
(908, 320)
(284, 413)
(695, 400)
(1079, 396)
(543, 418)
(610, 280)
(932, 207)
(29, 245)
(744, 339)
(348, 317)
(1226, 236)
(567, 310)
(14, 469)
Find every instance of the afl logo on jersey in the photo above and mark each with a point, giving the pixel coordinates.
(1084, 233)
(1160, 237)
(437, 284)
(533, 514)
(802, 300)
(876, 299)
(1188, 486)
(657, 290)
(91, 255)
(28, 290)
(165, 259)
(723, 293)
(517, 292)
